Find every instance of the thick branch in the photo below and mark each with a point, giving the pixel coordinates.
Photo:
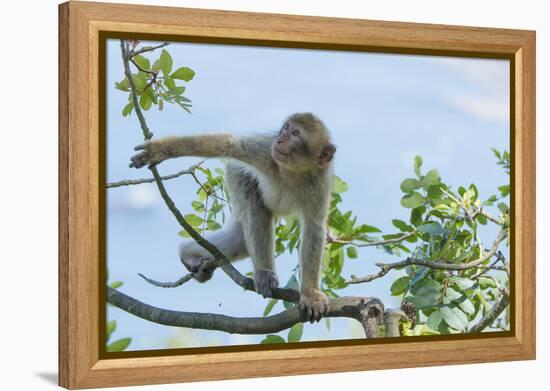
(363, 309)
(444, 265)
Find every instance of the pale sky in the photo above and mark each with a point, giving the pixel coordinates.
(382, 110)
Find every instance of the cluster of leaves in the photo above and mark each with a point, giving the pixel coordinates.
(446, 224)
(155, 80)
(120, 344)
(212, 200)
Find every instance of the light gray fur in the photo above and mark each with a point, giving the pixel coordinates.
(261, 190)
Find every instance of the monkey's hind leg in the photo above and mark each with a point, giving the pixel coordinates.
(229, 241)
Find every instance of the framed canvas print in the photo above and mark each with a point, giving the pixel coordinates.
(247, 195)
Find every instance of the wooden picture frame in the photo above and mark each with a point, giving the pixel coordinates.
(82, 26)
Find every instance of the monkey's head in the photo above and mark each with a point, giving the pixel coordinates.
(303, 144)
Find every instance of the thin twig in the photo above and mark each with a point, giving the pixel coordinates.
(144, 70)
(444, 265)
(148, 49)
(129, 182)
(174, 284)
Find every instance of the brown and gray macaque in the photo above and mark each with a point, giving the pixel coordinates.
(288, 173)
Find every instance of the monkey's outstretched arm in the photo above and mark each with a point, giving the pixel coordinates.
(252, 150)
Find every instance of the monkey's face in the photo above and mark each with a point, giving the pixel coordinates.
(290, 146)
(301, 144)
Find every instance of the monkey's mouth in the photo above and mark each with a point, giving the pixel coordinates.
(281, 153)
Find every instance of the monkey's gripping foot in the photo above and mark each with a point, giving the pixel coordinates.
(265, 281)
(314, 303)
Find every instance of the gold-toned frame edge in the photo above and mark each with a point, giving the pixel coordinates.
(80, 24)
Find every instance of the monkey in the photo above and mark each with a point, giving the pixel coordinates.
(268, 176)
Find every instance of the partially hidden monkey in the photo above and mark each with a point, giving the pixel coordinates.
(267, 176)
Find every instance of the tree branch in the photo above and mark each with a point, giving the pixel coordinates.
(148, 49)
(370, 244)
(492, 314)
(444, 265)
(174, 284)
(363, 309)
(129, 182)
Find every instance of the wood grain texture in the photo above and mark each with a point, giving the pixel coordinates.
(79, 187)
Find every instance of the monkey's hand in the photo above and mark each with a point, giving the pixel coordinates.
(152, 153)
(314, 303)
(265, 281)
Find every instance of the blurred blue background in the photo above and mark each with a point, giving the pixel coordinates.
(382, 110)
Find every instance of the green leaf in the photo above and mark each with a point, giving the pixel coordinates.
(119, 345)
(183, 73)
(111, 327)
(452, 294)
(352, 252)
(140, 81)
(453, 317)
(401, 225)
(165, 62)
(463, 283)
(169, 83)
(417, 215)
(417, 165)
(413, 200)
(270, 306)
(183, 233)
(177, 91)
(145, 102)
(400, 285)
(504, 190)
(193, 219)
(212, 225)
(123, 85)
(271, 338)
(430, 179)
(467, 306)
(503, 207)
(198, 206)
(156, 66)
(128, 109)
(432, 228)
(365, 228)
(338, 185)
(409, 185)
(152, 95)
(295, 332)
(116, 284)
(142, 62)
(486, 282)
(434, 319)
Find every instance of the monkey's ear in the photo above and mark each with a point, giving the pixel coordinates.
(327, 153)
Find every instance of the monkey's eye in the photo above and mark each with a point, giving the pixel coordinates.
(295, 132)
(286, 126)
